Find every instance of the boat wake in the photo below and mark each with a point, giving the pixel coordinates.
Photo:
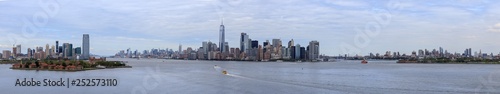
(228, 73)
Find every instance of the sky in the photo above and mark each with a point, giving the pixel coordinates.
(341, 26)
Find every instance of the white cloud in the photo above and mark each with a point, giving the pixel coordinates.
(347, 3)
(135, 39)
(163, 23)
(495, 28)
(5, 46)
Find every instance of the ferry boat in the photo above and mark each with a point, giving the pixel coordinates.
(224, 72)
(364, 62)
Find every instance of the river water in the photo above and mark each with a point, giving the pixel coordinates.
(159, 76)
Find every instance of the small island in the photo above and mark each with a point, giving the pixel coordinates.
(66, 65)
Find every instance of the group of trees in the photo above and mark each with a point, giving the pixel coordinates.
(110, 63)
(63, 63)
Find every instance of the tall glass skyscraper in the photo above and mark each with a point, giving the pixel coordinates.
(244, 42)
(57, 47)
(86, 46)
(68, 50)
(222, 37)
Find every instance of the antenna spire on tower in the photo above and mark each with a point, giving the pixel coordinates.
(222, 21)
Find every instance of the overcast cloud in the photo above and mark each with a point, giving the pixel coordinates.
(115, 25)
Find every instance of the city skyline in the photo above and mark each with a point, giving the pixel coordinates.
(450, 24)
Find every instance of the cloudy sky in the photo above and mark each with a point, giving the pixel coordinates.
(113, 25)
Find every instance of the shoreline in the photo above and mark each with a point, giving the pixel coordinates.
(232, 60)
(64, 70)
(65, 65)
(452, 63)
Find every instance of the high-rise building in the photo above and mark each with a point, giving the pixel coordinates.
(78, 51)
(180, 49)
(6, 54)
(470, 52)
(57, 47)
(290, 43)
(32, 53)
(297, 51)
(18, 47)
(260, 52)
(313, 50)
(86, 47)
(244, 43)
(292, 52)
(255, 44)
(52, 50)
(226, 47)
(222, 37)
(60, 50)
(277, 43)
(421, 53)
(29, 53)
(265, 43)
(67, 50)
(303, 53)
(205, 47)
(14, 52)
(47, 51)
(441, 52)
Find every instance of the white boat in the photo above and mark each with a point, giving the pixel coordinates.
(100, 67)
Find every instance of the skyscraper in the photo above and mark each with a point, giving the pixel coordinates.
(47, 50)
(255, 44)
(57, 47)
(297, 51)
(14, 51)
(470, 52)
(52, 50)
(226, 47)
(180, 49)
(265, 43)
(205, 47)
(222, 37)
(18, 47)
(78, 51)
(244, 42)
(86, 47)
(67, 50)
(60, 50)
(29, 53)
(277, 43)
(441, 52)
(313, 50)
(6, 54)
(292, 52)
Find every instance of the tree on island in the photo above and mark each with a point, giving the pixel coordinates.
(27, 64)
(37, 63)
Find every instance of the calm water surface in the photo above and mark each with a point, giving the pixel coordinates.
(158, 76)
